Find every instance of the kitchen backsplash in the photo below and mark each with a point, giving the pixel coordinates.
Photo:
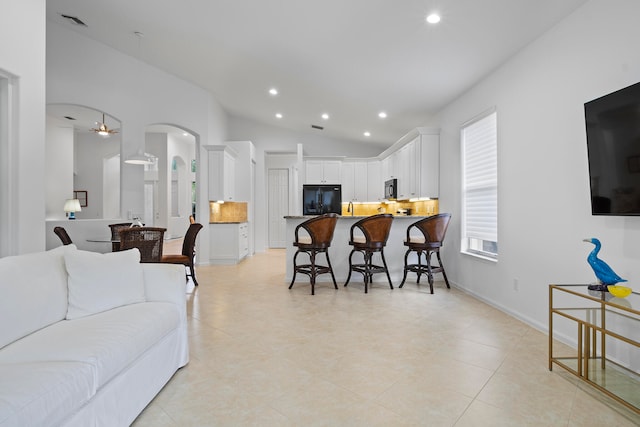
(421, 208)
(227, 212)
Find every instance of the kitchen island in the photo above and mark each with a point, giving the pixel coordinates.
(340, 249)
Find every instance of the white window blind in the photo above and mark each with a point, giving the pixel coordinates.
(480, 179)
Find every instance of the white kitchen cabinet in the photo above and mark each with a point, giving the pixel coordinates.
(390, 167)
(354, 181)
(221, 162)
(229, 242)
(409, 170)
(323, 171)
(375, 184)
(429, 165)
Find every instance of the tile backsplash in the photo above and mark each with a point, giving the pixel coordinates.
(420, 208)
(227, 212)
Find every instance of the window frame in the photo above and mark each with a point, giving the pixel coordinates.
(479, 247)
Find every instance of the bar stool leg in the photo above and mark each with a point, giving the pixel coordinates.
(386, 270)
(295, 269)
(312, 270)
(406, 267)
(443, 273)
(335, 285)
(429, 273)
(350, 267)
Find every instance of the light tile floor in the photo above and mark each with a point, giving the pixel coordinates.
(264, 355)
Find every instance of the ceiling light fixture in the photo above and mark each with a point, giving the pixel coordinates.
(139, 158)
(273, 91)
(102, 128)
(382, 115)
(434, 18)
(367, 133)
(278, 116)
(325, 116)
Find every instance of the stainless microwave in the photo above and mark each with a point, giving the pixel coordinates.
(391, 189)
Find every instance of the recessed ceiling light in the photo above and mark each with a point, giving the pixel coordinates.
(434, 18)
(185, 134)
(273, 91)
(367, 133)
(382, 115)
(278, 116)
(325, 116)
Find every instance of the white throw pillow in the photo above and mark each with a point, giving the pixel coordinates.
(99, 282)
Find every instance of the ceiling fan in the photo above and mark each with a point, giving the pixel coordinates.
(102, 128)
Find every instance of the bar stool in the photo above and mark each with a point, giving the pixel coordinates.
(432, 232)
(318, 240)
(375, 232)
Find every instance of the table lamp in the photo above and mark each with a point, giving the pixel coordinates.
(71, 206)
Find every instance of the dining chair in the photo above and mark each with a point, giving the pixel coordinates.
(63, 235)
(427, 240)
(188, 254)
(316, 238)
(115, 234)
(371, 238)
(149, 240)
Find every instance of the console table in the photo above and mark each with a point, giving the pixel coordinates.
(608, 339)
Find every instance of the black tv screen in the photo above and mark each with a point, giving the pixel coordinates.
(321, 199)
(613, 144)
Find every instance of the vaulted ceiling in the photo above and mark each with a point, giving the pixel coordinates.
(350, 59)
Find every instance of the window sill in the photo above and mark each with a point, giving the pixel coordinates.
(480, 256)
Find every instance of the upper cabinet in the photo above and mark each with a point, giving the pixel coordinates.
(414, 161)
(375, 184)
(355, 181)
(415, 164)
(430, 165)
(222, 165)
(323, 171)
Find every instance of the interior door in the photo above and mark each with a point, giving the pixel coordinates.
(278, 200)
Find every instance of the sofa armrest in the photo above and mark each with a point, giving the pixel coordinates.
(165, 283)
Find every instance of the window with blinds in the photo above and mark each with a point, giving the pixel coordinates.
(480, 186)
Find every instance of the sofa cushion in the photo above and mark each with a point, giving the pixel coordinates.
(108, 342)
(33, 292)
(43, 393)
(99, 282)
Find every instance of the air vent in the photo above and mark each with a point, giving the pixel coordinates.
(74, 19)
(317, 127)
(69, 118)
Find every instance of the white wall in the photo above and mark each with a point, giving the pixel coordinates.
(544, 201)
(22, 55)
(83, 72)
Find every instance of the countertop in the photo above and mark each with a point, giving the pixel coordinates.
(228, 222)
(417, 217)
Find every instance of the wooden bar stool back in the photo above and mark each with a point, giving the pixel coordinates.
(432, 231)
(148, 240)
(317, 239)
(373, 238)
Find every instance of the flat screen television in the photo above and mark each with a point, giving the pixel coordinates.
(321, 199)
(613, 145)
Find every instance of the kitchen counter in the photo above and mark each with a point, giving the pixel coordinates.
(340, 249)
(305, 217)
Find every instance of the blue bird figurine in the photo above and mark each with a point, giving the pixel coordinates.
(605, 274)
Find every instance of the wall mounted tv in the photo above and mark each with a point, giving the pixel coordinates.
(321, 199)
(613, 144)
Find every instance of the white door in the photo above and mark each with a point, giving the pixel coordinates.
(278, 200)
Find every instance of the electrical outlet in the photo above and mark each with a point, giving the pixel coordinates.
(515, 284)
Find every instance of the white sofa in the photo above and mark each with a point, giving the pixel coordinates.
(87, 339)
